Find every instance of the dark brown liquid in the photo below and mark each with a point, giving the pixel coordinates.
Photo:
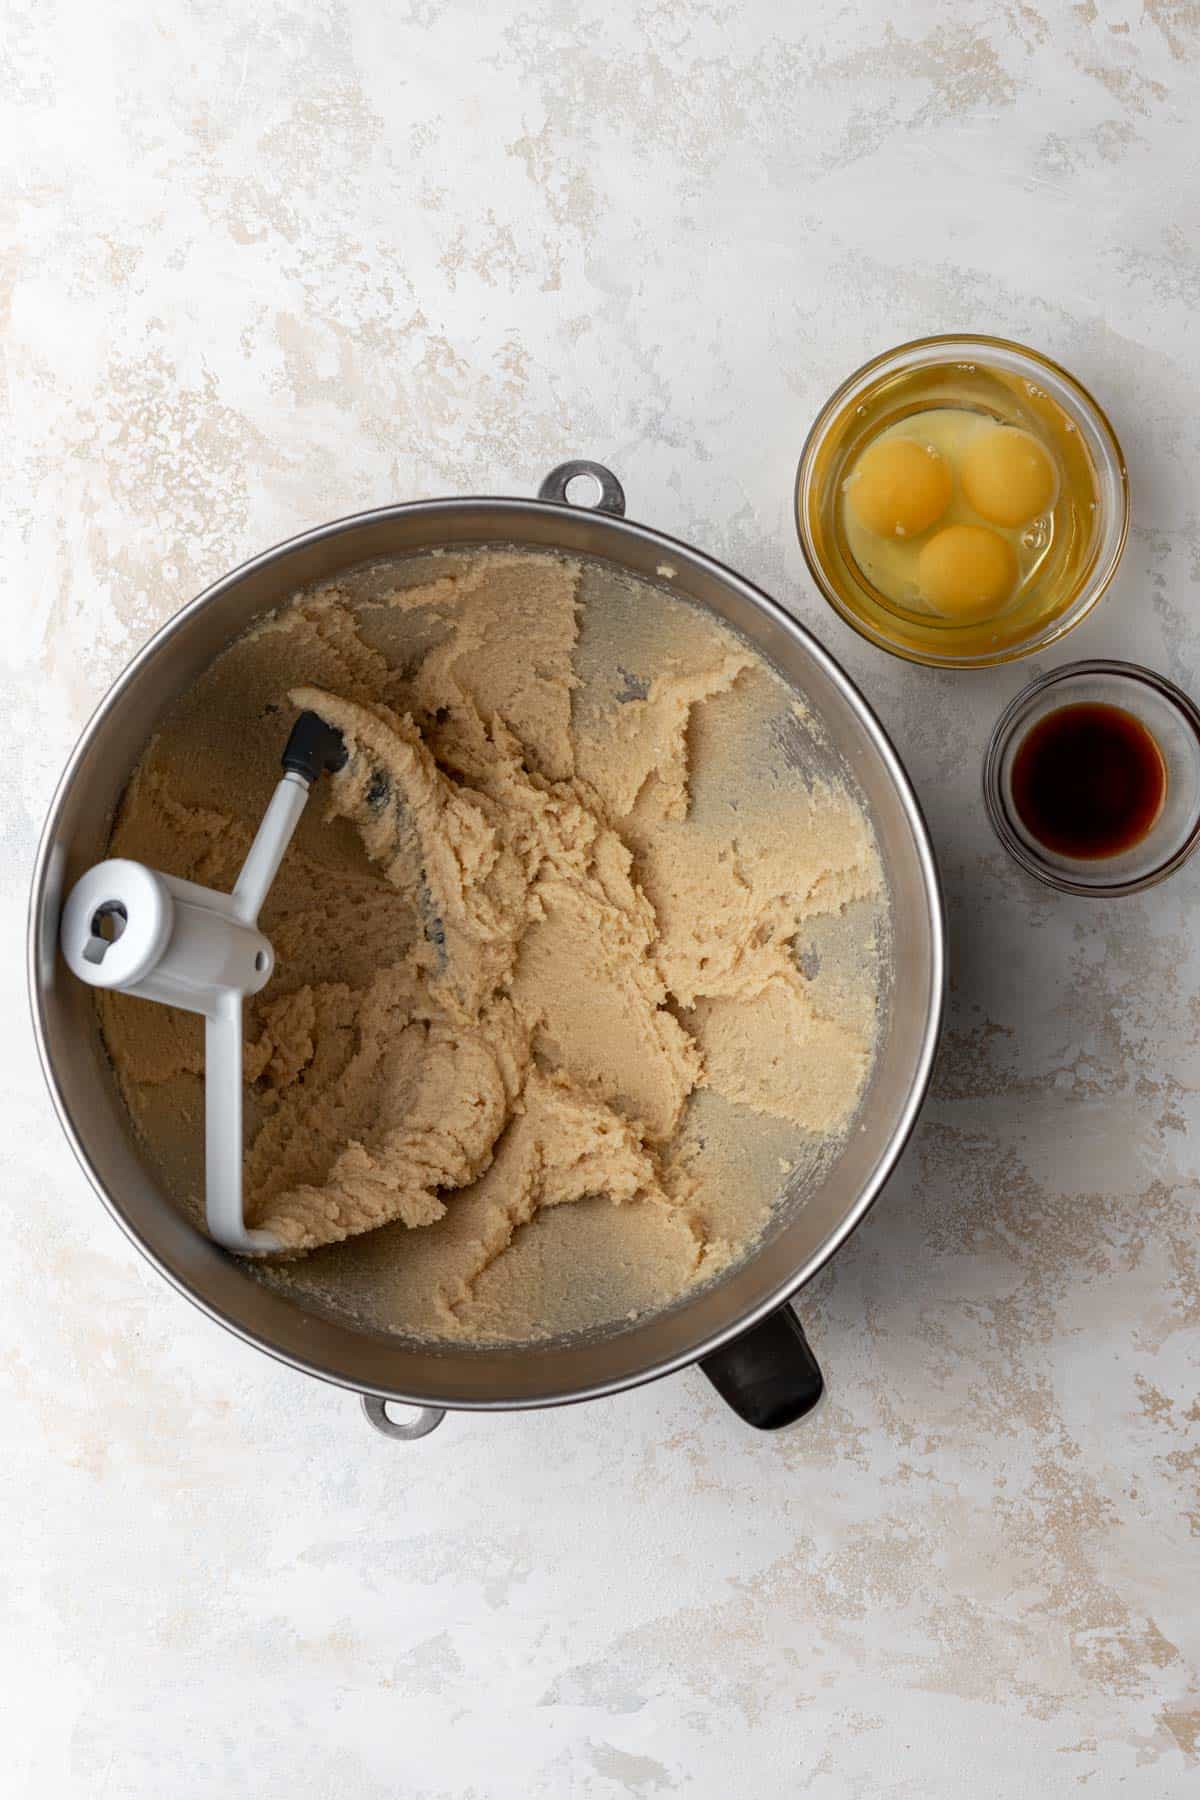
(1089, 781)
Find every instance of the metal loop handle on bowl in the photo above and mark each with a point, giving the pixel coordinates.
(425, 1419)
(610, 499)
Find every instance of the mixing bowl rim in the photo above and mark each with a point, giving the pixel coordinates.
(617, 528)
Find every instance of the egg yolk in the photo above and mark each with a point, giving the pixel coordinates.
(967, 571)
(1007, 476)
(899, 488)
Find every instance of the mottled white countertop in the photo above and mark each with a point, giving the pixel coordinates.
(266, 264)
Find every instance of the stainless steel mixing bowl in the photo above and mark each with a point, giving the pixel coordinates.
(740, 1328)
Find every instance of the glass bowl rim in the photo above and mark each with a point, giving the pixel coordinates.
(1017, 848)
(1090, 594)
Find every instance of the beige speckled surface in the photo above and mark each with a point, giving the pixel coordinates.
(267, 264)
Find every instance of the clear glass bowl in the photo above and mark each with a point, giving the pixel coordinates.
(1172, 719)
(836, 438)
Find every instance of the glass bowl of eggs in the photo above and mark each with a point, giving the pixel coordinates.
(962, 501)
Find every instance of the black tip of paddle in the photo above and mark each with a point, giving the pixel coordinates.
(314, 748)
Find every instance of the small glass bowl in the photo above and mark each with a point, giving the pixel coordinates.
(1170, 717)
(834, 441)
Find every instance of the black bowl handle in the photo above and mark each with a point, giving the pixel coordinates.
(769, 1375)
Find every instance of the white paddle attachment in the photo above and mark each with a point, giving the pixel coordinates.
(161, 938)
